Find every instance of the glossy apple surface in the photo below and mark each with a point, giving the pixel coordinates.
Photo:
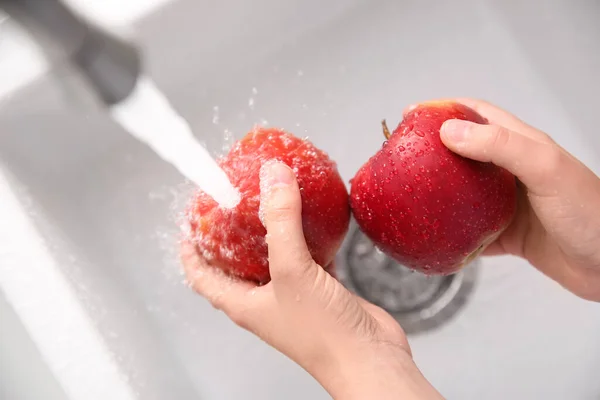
(233, 239)
(425, 206)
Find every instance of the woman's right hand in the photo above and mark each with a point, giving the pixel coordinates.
(557, 225)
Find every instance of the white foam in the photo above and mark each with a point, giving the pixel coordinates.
(149, 117)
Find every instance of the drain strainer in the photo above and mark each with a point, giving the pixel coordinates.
(418, 302)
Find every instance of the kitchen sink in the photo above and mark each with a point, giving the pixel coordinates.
(105, 206)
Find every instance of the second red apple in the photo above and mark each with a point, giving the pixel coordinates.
(425, 206)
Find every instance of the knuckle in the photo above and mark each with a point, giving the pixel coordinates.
(550, 159)
(218, 302)
(586, 284)
(281, 212)
(297, 271)
(239, 316)
(499, 137)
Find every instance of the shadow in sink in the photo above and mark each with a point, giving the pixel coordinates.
(419, 303)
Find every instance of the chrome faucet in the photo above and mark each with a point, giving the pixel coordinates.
(109, 64)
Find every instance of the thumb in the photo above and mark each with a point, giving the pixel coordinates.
(534, 162)
(281, 213)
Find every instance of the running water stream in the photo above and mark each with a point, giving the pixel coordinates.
(148, 116)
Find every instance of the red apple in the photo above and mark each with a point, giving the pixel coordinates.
(233, 239)
(425, 206)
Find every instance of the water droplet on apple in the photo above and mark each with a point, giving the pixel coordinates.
(419, 153)
(408, 188)
(401, 149)
(419, 133)
(436, 223)
(427, 143)
(417, 178)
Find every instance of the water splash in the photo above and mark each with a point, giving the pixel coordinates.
(148, 116)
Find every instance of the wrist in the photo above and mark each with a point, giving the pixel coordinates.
(375, 371)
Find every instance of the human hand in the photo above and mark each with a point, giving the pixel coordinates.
(557, 224)
(353, 348)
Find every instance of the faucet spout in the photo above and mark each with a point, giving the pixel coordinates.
(109, 64)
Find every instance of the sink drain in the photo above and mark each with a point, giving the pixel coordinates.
(418, 302)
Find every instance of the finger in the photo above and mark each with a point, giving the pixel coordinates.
(494, 249)
(281, 210)
(494, 114)
(236, 298)
(536, 163)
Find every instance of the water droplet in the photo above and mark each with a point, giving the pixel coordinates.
(408, 188)
(215, 119)
(417, 178)
(401, 149)
(419, 133)
(436, 223)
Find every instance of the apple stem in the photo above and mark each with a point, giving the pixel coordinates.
(386, 131)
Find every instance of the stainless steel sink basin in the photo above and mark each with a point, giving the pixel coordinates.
(105, 204)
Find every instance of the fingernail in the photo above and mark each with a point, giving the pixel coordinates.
(275, 173)
(455, 130)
